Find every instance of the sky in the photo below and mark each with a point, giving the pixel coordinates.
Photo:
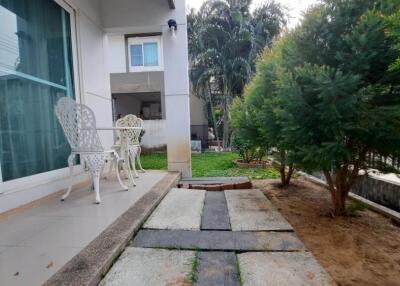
(296, 7)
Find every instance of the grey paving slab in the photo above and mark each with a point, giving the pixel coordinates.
(215, 212)
(250, 210)
(219, 240)
(180, 209)
(217, 268)
(155, 267)
(282, 268)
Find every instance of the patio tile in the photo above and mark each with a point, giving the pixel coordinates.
(14, 232)
(155, 267)
(250, 210)
(215, 212)
(282, 268)
(180, 209)
(217, 268)
(69, 232)
(219, 240)
(81, 204)
(32, 265)
(3, 248)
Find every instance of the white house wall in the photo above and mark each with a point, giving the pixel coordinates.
(116, 54)
(156, 134)
(95, 80)
(122, 17)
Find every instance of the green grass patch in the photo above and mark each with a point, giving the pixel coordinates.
(193, 276)
(238, 271)
(356, 206)
(211, 165)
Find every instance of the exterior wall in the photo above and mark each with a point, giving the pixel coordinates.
(122, 17)
(197, 111)
(116, 54)
(95, 82)
(378, 190)
(93, 88)
(199, 123)
(156, 134)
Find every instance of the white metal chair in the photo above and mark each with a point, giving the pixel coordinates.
(79, 125)
(130, 140)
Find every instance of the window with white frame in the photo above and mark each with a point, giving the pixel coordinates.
(145, 54)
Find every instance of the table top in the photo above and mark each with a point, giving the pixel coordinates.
(119, 128)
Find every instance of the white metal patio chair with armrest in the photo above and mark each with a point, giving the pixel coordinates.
(79, 125)
(130, 140)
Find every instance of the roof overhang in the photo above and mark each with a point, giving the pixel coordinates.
(171, 4)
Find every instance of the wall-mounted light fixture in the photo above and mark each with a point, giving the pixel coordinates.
(173, 26)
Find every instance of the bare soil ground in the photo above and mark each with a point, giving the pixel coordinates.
(357, 250)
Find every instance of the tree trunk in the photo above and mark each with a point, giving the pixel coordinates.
(225, 135)
(339, 188)
(213, 117)
(289, 175)
(226, 123)
(285, 177)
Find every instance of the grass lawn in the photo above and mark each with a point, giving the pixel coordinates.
(211, 165)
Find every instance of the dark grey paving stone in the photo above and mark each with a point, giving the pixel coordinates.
(214, 179)
(215, 212)
(217, 268)
(218, 240)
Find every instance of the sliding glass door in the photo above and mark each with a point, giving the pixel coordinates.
(36, 69)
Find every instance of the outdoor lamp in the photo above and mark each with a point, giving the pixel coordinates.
(173, 26)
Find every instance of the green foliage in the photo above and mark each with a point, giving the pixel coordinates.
(394, 32)
(193, 276)
(355, 207)
(246, 139)
(239, 271)
(328, 93)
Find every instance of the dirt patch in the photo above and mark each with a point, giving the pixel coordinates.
(361, 250)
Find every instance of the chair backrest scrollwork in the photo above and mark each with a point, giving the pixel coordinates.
(79, 124)
(130, 136)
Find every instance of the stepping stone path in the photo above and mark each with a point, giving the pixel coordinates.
(235, 237)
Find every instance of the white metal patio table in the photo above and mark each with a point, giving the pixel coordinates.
(124, 147)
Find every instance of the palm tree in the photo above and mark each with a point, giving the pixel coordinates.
(224, 41)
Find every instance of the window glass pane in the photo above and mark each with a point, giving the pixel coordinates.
(150, 54)
(35, 71)
(136, 55)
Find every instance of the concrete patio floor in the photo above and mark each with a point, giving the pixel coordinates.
(37, 241)
(240, 237)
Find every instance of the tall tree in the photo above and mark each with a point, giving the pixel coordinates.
(343, 101)
(222, 46)
(328, 93)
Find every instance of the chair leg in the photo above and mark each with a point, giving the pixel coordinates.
(117, 162)
(132, 158)
(96, 183)
(95, 163)
(127, 168)
(71, 173)
(110, 163)
(139, 152)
